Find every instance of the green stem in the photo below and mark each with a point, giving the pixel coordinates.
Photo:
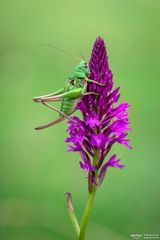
(87, 214)
(90, 201)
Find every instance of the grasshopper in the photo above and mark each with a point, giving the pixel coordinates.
(70, 95)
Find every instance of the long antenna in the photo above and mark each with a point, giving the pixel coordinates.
(82, 57)
(59, 49)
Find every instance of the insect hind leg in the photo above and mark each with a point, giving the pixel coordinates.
(51, 123)
(57, 110)
(39, 98)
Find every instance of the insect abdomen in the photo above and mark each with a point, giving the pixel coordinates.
(68, 105)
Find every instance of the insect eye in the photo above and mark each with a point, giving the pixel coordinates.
(72, 81)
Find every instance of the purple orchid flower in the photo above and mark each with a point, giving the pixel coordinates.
(104, 122)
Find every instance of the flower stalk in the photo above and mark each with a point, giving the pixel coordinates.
(90, 200)
(87, 211)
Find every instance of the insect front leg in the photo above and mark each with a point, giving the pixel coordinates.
(88, 93)
(84, 93)
(93, 81)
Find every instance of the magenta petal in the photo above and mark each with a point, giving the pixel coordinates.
(92, 122)
(96, 140)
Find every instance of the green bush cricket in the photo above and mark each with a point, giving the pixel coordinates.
(72, 92)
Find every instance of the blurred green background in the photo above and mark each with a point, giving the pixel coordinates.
(35, 169)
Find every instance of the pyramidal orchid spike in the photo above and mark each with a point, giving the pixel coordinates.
(104, 123)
